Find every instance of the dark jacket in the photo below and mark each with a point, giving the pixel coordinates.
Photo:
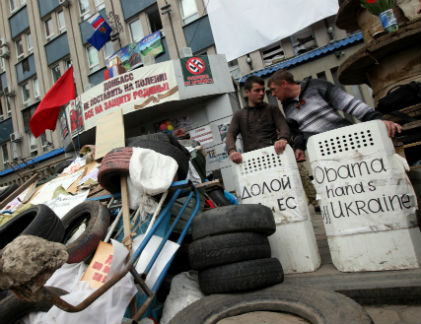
(259, 127)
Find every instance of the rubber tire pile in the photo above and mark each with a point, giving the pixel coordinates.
(41, 221)
(231, 251)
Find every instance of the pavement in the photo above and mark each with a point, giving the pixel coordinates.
(388, 296)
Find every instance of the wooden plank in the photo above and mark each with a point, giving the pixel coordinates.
(126, 213)
(18, 191)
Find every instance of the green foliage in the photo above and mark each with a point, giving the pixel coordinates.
(376, 7)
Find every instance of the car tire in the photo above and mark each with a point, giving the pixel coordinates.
(7, 191)
(97, 218)
(38, 220)
(314, 305)
(222, 249)
(218, 197)
(234, 218)
(241, 276)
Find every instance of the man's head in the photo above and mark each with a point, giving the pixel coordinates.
(283, 86)
(254, 88)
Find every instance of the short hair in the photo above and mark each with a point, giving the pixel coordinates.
(253, 79)
(281, 75)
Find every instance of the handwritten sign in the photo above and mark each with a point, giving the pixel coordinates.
(363, 193)
(109, 133)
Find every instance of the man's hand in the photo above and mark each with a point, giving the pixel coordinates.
(236, 157)
(392, 128)
(280, 146)
(300, 155)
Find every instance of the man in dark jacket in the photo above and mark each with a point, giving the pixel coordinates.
(312, 106)
(259, 124)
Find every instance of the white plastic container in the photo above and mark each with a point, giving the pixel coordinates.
(367, 202)
(273, 180)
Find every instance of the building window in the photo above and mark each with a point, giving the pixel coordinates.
(272, 54)
(8, 107)
(34, 145)
(5, 155)
(1, 111)
(93, 59)
(49, 28)
(303, 41)
(29, 42)
(19, 48)
(189, 11)
(35, 84)
(108, 49)
(68, 63)
(60, 22)
(99, 4)
(56, 72)
(154, 18)
(136, 30)
(2, 68)
(44, 142)
(13, 5)
(84, 8)
(26, 94)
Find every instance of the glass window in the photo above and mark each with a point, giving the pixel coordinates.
(154, 18)
(136, 30)
(26, 95)
(60, 21)
(29, 42)
(108, 49)
(92, 57)
(84, 8)
(44, 142)
(56, 72)
(8, 107)
(49, 28)
(1, 64)
(35, 83)
(189, 11)
(19, 47)
(1, 111)
(34, 145)
(68, 63)
(5, 154)
(13, 5)
(99, 4)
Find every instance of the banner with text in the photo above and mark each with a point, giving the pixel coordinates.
(364, 193)
(138, 89)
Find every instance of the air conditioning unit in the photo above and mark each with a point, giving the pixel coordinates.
(186, 52)
(15, 137)
(4, 51)
(64, 3)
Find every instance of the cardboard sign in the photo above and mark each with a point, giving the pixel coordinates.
(109, 133)
(98, 269)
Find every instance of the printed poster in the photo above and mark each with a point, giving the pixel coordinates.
(196, 70)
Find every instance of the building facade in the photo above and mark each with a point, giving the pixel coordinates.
(40, 39)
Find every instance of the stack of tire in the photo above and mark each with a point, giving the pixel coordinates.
(231, 251)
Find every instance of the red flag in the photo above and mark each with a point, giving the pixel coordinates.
(45, 117)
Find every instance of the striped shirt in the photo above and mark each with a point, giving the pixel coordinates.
(316, 110)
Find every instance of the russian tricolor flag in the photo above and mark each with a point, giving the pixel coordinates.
(102, 31)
